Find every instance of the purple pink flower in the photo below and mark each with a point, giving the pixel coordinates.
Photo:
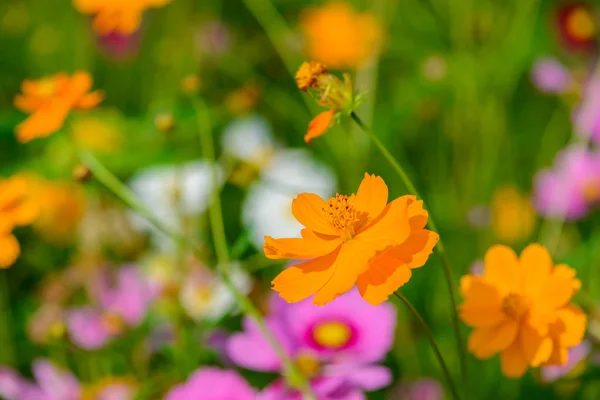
(586, 118)
(213, 384)
(572, 187)
(550, 76)
(335, 346)
(118, 306)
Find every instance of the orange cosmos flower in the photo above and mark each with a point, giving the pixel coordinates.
(117, 16)
(513, 217)
(49, 101)
(339, 36)
(16, 209)
(360, 239)
(520, 309)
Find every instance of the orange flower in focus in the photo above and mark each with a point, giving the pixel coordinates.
(520, 308)
(16, 209)
(340, 37)
(120, 16)
(49, 101)
(360, 239)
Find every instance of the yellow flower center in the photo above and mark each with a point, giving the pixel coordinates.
(308, 364)
(332, 334)
(308, 74)
(591, 191)
(515, 306)
(342, 215)
(580, 24)
(113, 323)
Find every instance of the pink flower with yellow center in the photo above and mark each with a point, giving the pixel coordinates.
(335, 346)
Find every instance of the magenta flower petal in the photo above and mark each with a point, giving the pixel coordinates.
(550, 76)
(576, 355)
(11, 384)
(130, 298)
(251, 350)
(57, 384)
(213, 384)
(586, 118)
(87, 329)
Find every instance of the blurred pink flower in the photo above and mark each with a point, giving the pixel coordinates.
(572, 187)
(576, 355)
(120, 46)
(586, 118)
(212, 384)
(334, 346)
(51, 383)
(421, 389)
(213, 38)
(550, 76)
(119, 306)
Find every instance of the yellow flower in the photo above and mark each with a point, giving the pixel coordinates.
(121, 16)
(61, 205)
(16, 209)
(49, 101)
(340, 37)
(521, 309)
(513, 216)
(94, 133)
(353, 240)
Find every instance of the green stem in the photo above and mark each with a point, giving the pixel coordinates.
(6, 335)
(104, 176)
(439, 248)
(436, 349)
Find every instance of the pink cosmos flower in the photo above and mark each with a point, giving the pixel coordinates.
(213, 384)
(119, 306)
(550, 76)
(51, 383)
(119, 46)
(572, 187)
(334, 346)
(586, 118)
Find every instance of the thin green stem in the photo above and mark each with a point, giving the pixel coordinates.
(439, 248)
(218, 230)
(436, 349)
(111, 182)
(6, 335)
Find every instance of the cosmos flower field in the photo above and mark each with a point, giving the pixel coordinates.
(289, 200)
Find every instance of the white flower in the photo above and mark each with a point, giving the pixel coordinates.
(204, 296)
(173, 193)
(249, 139)
(268, 206)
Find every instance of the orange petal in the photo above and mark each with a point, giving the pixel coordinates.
(304, 248)
(417, 216)
(28, 104)
(415, 251)
(9, 250)
(79, 85)
(502, 268)
(129, 21)
(483, 304)
(308, 210)
(319, 125)
(24, 214)
(105, 22)
(372, 195)
(390, 228)
(574, 320)
(90, 100)
(514, 363)
(535, 348)
(536, 266)
(558, 288)
(300, 281)
(382, 279)
(349, 264)
(43, 122)
(485, 342)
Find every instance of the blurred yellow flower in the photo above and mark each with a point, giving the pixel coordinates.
(94, 133)
(520, 307)
(116, 15)
(243, 100)
(16, 209)
(513, 216)
(190, 84)
(49, 101)
(339, 36)
(61, 205)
